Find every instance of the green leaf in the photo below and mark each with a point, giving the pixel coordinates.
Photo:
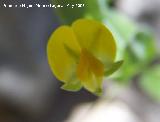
(113, 68)
(69, 14)
(139, 53)
(143, 46)
(72, 86)
(150, 82)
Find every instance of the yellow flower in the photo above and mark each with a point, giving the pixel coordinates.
(82, 54)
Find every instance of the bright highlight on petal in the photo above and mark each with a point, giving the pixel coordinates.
(82, 54)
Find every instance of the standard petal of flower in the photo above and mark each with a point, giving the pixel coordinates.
(96, 38)
(61, 49)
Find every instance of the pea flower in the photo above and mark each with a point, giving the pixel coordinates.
(81, 55)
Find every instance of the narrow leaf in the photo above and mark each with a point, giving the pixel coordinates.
(72, 86)
(113, 68)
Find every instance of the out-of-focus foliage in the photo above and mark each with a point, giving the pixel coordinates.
(135, 42)
(69, 14)
(138, 54)
(150, 82)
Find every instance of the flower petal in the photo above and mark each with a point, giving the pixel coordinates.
(95, 37)
(90, 72)
(61, 49)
